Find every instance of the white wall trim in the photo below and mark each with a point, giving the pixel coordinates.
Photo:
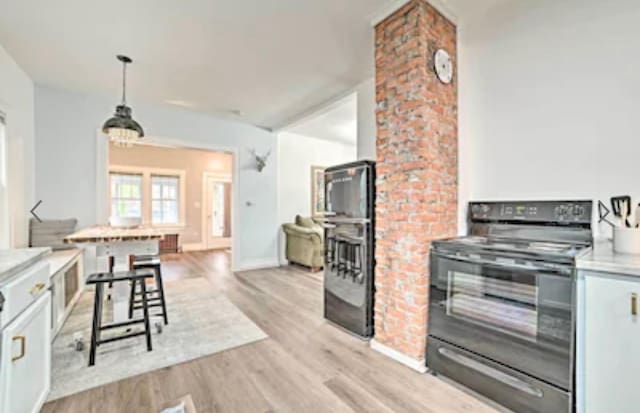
(257, 265)
(315, 111)
(413, 364)
(102, 181)
(204, 203)
(195, 246)
(5, 216)
(102, 178)
(394, 5)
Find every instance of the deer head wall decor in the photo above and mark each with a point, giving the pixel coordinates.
(261, 161)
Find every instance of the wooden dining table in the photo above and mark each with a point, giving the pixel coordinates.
(118, 244)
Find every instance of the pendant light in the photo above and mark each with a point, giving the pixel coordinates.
(121, 128)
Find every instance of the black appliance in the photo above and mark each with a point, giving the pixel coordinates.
(349, 240)
(502, 302)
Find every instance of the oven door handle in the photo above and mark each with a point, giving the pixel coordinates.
(497, 375)
(549, 268)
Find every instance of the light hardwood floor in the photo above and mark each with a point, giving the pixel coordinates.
(306, 364)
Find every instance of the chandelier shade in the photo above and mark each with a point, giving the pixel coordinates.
(121, 128)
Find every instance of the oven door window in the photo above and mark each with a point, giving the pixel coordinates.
(506, 305)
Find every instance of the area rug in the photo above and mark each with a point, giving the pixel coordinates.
(201, 322)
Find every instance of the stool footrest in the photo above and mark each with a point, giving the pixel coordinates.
(139, 307)
(122, 337)
(148, 292)
(122, 324)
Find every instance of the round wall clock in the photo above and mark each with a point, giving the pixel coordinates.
(443, 66)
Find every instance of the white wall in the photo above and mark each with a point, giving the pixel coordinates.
(550, 101)
(366, 93)
(16, 101)
(296, 155)
(66, 127)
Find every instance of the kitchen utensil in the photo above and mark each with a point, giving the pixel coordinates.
(621, 206)
(603, 213)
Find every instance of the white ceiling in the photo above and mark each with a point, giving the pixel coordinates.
(336, 122)
(268, 59)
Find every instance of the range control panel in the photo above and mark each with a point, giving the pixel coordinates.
(560, 212)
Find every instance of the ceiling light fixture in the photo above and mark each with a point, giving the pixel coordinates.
(121, 128)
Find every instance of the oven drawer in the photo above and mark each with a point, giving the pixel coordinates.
(508, 387)
(22, 290)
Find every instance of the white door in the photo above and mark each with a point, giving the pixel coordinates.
(25, 365)
(217, 222)
(611, 345)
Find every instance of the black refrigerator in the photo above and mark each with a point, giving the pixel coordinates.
(349, 246)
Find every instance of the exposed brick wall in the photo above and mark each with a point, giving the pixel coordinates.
(417, 169)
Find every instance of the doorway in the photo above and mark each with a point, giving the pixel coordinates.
(216, 209)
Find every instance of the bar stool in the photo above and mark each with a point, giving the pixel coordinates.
(357, 260)
(342, 258)
(155, 297)
(99, 280)
(330, 252)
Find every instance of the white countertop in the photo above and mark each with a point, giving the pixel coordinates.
(59, 259)
(602, 259)
(12, 261)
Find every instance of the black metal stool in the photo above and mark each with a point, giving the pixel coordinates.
(330, 252)
(100, 279)
(356, 260)
(155, 297)
(342, 258)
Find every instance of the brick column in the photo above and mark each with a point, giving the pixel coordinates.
(417, 169)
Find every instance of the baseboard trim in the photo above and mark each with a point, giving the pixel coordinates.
(198, 246)
(413, 364)
(257, 265)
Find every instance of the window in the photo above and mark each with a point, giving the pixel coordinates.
(164, 199)
(156, 195)
(4, 196)
(126, 195)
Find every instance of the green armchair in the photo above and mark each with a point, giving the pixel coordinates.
(305, 243)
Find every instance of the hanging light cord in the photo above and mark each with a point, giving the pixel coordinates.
(124, 83)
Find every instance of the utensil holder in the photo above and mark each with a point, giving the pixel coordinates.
(626, 240)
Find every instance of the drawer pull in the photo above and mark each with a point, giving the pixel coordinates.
(489, 371)
(634, 304)
(23, 347)
(37, 288)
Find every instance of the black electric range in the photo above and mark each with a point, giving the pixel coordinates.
(501, 312)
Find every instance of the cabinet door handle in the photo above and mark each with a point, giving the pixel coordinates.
(23, 347)
(37, 288)
(634, 304)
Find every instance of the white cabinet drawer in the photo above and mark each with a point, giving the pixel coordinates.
(23, 290)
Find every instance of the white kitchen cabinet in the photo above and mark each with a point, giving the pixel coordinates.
(57, 302)
(26, 359)
(608, 352)
(67, 282)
